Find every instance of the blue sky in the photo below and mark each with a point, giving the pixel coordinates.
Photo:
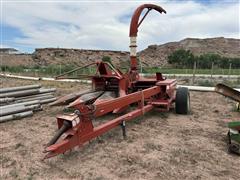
(27, 25)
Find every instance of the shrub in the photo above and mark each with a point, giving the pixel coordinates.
(181, 58)
(185, 59)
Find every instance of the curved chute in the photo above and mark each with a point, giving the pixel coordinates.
(135, 23)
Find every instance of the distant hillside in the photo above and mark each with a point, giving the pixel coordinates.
(154, 55)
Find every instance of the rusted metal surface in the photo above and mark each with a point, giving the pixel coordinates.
(129, 88)
(135, 23)
(86, 98)
(227, 91)
(78, 138)
(107, 95)
(136, 15)
(82, 129)
(69, 98)
(108, 106)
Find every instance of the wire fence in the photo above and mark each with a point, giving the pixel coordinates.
(55, 70)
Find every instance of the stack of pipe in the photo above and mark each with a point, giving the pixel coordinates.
(22, 101)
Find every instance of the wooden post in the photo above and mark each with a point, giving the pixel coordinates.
(60, 69)
(212, 70)
(229, 71)
(52, 74)
(194, 72)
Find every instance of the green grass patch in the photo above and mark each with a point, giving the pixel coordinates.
(54, 70)
(190, 71)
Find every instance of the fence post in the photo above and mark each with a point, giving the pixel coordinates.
(51, 69)
(229, 71)
(194, 72)
(212, 70)
(60, 69)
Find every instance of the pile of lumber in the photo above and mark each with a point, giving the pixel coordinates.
(22, 101)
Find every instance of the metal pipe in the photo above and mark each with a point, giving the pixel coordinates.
(28, 103)
(20, 93)
(22, 104)
(15, 116)
(201, 88)
(6, 100)
(89, 82)
(140, 22)
(36, 98)
(71, 71)
(46, 101)
(134, 29)
(11, 110)
(17, 109)
(11, 89)
(37, 107)
(42, 91)
(27, 92)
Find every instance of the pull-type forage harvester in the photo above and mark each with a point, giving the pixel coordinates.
(113, 92)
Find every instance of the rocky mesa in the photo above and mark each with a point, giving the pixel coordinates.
(153, 55)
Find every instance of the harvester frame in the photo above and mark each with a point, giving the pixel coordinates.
(122, 91)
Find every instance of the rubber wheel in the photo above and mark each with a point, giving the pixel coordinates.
(233, 148)
(182, 102)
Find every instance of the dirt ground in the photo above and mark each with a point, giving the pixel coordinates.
(158, 145)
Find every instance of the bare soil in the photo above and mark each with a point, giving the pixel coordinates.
(158, 145)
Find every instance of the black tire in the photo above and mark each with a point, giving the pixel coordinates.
(234, 149)
(182, 102)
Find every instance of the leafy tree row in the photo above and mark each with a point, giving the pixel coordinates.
(185, 59)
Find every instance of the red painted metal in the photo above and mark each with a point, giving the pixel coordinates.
(136, 15)
(156, 92)
(135, 23)
(74, 137)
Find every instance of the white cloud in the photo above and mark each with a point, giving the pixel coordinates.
(105, 25)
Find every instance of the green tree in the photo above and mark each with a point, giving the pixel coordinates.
(181, 58)
(205, 60)
(235, 63)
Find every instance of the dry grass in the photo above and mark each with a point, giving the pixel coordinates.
(158, 146)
